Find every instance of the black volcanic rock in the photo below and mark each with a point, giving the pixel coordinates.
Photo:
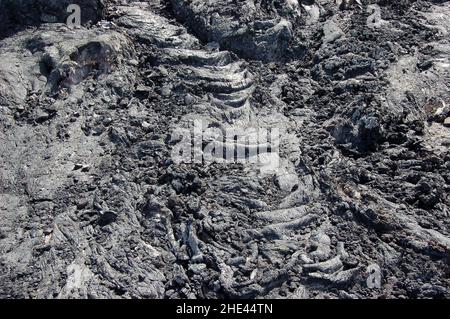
(333, 116)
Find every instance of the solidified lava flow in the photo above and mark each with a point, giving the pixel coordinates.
(225, 149)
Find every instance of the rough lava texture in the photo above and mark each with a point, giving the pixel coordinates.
(93, 205)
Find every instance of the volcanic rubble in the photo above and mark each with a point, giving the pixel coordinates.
(93, 204)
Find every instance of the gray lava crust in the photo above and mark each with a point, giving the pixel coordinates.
(93, 204)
